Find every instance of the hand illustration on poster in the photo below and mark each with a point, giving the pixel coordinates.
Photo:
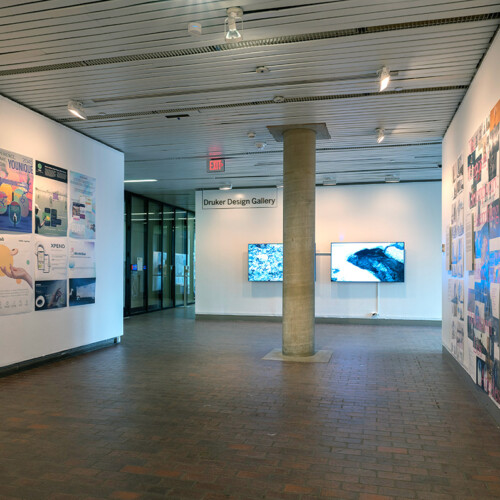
(16, 274)
(82, 205)
(16, 192)
(51, 196)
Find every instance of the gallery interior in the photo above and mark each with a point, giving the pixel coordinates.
(249, 250)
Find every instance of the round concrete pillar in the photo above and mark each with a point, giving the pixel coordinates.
(299, 191)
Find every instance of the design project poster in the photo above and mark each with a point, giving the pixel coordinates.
(51, 197)
(82, 273)
(16, 274)
(16, 192)
(82, 205)
(51, 273)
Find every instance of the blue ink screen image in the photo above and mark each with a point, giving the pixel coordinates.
(368, 262)
(265, 262)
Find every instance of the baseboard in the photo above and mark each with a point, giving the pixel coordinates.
(328, 320)
(482, 398)
(57, 356)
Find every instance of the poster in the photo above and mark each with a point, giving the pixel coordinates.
(51, 197)
(16, 274)
(82, 272)
(82, 206)
(16, 192)
(51, 272)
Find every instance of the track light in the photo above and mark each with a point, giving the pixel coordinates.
(380, 135)
(76, 108)
(234, 16)
(384, 76)
(226, 187)
(392, 178)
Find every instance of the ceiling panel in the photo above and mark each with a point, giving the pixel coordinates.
(132, 63)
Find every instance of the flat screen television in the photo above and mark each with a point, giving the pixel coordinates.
(265, 262)
(368, 262)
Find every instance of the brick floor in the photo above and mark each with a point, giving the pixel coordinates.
(189, 410)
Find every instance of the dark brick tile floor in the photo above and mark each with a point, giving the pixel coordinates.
(189, 410)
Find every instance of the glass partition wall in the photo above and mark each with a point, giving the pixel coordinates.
(159, 255)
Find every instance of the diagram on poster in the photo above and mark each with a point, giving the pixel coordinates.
(16, 274)
(82, 206)
(16, 192)
(51, 272)
(51, 197)
(82, 273)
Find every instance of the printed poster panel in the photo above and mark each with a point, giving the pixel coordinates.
(16, 274)
(51, 273)
(16, 192)
(51, 198)
(82, 206)
(82, 273)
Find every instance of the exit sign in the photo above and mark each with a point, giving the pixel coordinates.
(216, 165)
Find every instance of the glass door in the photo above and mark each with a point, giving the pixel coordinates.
(191, 256)
(167, 252)
(180, 254)
(154, 255)
(138, 222)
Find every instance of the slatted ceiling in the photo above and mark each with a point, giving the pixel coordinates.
(54, 50)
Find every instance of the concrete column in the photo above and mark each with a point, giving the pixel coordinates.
(299, 191)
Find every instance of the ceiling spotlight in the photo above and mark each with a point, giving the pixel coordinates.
(380, 135)
(330, 181)
(194, 29)
(234, 16)
(251, 135)
(76, 108)
(226, 187)
(278, 98)
(260, 145)
(262, 69)
(384, 76)
(392, 178)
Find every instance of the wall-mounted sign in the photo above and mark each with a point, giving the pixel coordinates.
(241, 198)
(216, 165)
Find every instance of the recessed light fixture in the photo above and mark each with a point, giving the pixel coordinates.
(384, 76)
(226, 187)
(391, 178)
(140, 180)
(76, 109)
(260, 145)
(330, 181)
(251, 135)
(380, 135)
(234, 17)
(262, 69)
(194, 29)
(279, 186)
(278, 98)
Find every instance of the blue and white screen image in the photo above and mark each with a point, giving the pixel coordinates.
(362, 262)
(265, 262)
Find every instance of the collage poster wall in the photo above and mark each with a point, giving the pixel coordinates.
(47, 269)
(475, 329)
(16, 192)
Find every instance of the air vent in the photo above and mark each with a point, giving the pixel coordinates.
(263, 42)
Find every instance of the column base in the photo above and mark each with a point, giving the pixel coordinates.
(317, 357)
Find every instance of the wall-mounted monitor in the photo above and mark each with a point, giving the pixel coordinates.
(265, 262)
(368, 262)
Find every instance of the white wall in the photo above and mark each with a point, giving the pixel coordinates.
(483, 94)
(389, 212)
(35, 334)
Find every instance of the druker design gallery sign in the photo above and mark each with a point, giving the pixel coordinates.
(242, 198)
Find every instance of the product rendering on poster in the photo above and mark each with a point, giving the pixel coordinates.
(16, 274)
(16, 192)
(82, 206)
(51, 198)
(51, 272)
(82, 272)
(483, 250)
